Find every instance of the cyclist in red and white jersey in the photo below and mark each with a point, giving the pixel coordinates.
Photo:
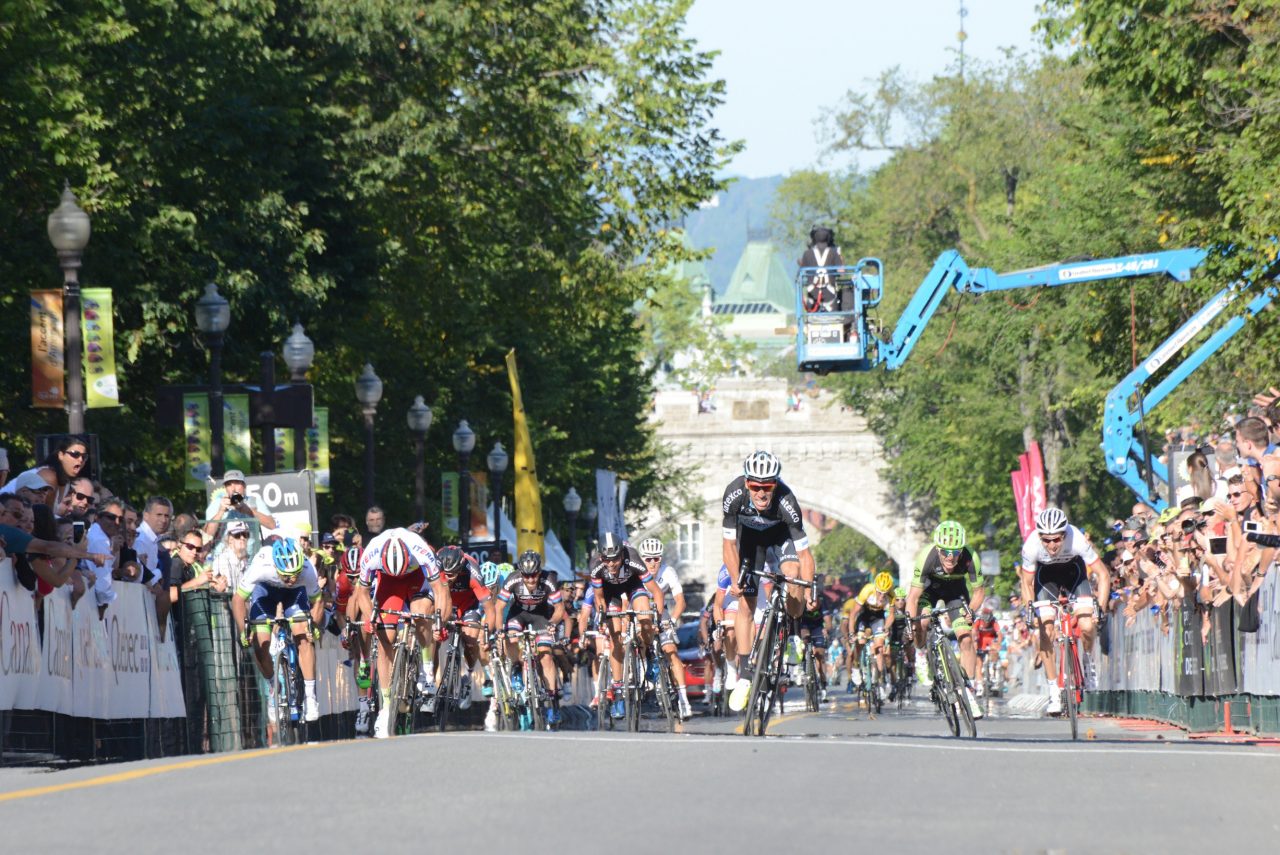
(398, 571)
(1057, 559)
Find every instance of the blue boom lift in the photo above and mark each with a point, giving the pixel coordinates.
(845, 340)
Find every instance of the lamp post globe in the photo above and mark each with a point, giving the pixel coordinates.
(419, 416)
(213, 312)
(573, 504)
(497, 460)
(213, 316)
(464, 438)
(368, 388)
(299, 353)
(368, 393)
(69, 229)
(464, 442)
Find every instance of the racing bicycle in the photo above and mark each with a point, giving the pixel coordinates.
(768, 652)
(1069, 675)
(949, 680)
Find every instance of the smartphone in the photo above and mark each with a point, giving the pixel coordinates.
(77, 531)
(1250, 525)
(1217, 546)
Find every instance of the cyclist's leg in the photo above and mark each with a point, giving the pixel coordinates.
(1046, 589)
(262, 608)
(640, 601)
(789, 564)
(964, 637)
(1085, 608)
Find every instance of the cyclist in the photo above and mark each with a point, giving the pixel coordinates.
(898, 632)
(761, 514)
(355, 623)
(986, 629)
(948, 571)
(532, 601)
(280, 577)
(616, 572)
(1057, 559)
(651, 550)
(589, 632)
(473, 608)
(871, 615)
(813, 631)
(398, 572)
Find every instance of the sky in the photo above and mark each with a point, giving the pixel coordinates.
(787, 62)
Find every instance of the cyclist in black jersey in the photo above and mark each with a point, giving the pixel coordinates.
(762, 517)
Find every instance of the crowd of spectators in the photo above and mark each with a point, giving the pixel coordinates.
(1211, 546)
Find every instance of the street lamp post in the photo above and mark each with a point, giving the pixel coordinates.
(299, 354)
(573, 504)
(419, 419)
(69, 230)
(464, 442)
(213, 316)
(589, 514)
(497, 460)
(368, 393)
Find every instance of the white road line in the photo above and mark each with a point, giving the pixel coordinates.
(720, 741)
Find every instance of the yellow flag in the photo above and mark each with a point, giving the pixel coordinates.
(529, 530)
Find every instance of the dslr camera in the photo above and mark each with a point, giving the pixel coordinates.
(1267, 541)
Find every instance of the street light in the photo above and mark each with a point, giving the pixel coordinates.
(573, 504)
(368, 393)
(299, 352)
(497, 460)
(589, 514)
(213, 316)
(69, 230)
(464, 442)
(419, 419)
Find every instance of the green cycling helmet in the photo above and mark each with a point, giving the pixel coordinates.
(949, 535)
(899, 593)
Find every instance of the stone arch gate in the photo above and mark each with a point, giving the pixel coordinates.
(829, 458)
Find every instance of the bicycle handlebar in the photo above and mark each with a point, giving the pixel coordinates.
(929, 614)
(776, 576)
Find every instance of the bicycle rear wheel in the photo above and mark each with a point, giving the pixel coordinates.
(604, 719)
(943, 693)
(1067, 656)
(664, 691)
(447, 690)
(632, 685)
(956, 676)
(811, 687)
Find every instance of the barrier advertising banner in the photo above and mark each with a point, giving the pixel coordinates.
(97, 331)
(47, 364)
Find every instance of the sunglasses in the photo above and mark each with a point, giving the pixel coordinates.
(82, 497)
(244, 535)
(760, 488)
(107, 515)
(651, 558)
(74, 454)
(1235, 495)
(192, 546)
(950, 553)
(1057, 539)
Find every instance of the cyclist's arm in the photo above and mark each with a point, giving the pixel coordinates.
(444, 599)
(558, 615)
(717, 606)
(240, 610)
(655, 595)
(729, 553)
(1026, 580)
(807, 566)
(976, 596)
(913, 600)
(491, 614)
(1102, 585)
(678, 609)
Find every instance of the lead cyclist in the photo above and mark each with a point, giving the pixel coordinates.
(1057, 559)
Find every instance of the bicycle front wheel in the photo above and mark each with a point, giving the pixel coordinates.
(664, 691)
(1067, 656)
(956, 676)
(632, 685)
(760, 696)
(448, 688)
(811, 688)
(288, 712)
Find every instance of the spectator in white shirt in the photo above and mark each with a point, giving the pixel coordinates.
(234, 558)
(156, 516)
(105, 537)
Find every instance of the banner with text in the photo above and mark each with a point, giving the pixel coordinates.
(47, 366)
(237, 442)
(317, 448)
(196, 440)
(97, 331)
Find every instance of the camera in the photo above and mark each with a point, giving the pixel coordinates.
(1188, 526)
(1267, 541)
(236, 498)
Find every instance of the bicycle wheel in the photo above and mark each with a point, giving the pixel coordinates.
(447, 690)
(942, 691)
(287, 713)
(763, 657)
(404, 677)
(956, 676)
(1067, 656)
(604, 719)
(631, 687)
(664, 691)
(535, 687)
(775, 678)
(811, 687)
(877, 703)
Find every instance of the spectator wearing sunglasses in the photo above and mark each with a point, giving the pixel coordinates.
(79, 498)
(234, 557)
(64, 463)
(105, 537)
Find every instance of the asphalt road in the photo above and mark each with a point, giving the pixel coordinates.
(837, 778)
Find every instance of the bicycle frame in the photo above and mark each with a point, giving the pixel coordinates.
(767, 652)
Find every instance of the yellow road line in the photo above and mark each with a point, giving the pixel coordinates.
(134, 774)
(779, 720)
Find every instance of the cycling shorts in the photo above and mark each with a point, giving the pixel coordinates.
(1054, 580)
(395, 593)
(668, 636)
(532, 620)
(873, 621)
(754, 553)
(815, 633)
(473, 615)
(959, 620)
(265, 598)
(953, 592)
(611, 594)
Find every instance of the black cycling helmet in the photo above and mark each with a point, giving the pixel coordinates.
(451, 559)
(529, 563)
(610, 547)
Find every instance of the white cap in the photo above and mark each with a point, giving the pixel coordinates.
(1186, 491)
(29, 480)
(1126, 556)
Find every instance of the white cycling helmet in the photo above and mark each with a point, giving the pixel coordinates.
(1051, 521)
(762, 466)
(650, 547)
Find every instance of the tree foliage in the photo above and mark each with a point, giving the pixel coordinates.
(424, 185)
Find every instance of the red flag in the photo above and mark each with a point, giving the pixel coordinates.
(1035, 484)
(1025, 524)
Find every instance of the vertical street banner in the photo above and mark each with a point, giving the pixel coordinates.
(197, 440)
(317, 449)
(479, 500)
(529, 529)
(1035, 472)
(97, 331)
(449, 504)
(47, 367)
(610, 493)
(1020, 503)
(283, 449)
(235, 432)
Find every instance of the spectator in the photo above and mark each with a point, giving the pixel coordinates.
(1199, 476)
(233, 503)
(1253, 439)
(65, 462)
(157, 513)
(79, 497)
(128, 569)
(821, 291)
(374, 521)
(186, 572)
(232, 561)
(106, 537)
(18, 542)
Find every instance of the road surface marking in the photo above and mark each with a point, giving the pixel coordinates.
(134, 774)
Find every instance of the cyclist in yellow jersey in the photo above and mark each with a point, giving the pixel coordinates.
(845, 629)
(871, 614)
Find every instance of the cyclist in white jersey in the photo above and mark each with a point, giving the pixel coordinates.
(668, 581)
(1057, 559)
